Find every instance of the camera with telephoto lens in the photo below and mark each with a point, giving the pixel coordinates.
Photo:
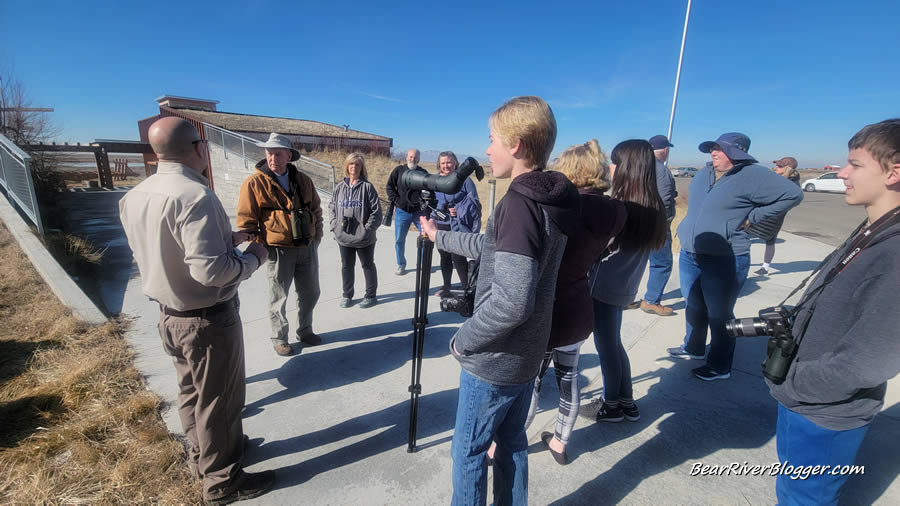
(775, 322)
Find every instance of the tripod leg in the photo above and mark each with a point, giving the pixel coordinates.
(424, 252)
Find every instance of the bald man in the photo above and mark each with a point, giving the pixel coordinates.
(406, 206)
(185, 251)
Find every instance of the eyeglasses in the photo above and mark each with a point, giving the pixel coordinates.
(198, 141)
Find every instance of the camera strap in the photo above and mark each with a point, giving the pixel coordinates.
(861, 238)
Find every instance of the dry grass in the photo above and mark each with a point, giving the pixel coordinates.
(77, 423)
(680, 211)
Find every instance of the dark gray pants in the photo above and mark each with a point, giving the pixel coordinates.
(348, 269)
(208, 352)
(300, 266)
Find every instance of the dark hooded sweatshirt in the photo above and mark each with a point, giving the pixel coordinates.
(504, 341)
(573, 312)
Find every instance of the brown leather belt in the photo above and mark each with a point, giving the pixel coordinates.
(203, 312)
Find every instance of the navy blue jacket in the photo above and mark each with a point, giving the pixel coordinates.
(468, 208)
(718, 210)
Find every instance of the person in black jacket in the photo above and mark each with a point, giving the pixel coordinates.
(406, 206)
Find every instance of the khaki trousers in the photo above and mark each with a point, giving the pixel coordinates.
(300, 266)
(208, 352)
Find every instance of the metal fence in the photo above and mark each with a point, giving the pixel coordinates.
(235, 144)
(15, 177)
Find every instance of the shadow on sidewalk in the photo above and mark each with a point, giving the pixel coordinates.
(699, 419)
(436, 415)
(333, 367)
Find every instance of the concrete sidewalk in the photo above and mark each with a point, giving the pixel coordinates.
(332, 421)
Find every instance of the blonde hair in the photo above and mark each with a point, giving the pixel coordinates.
(586, 165)
(789, 171)
(529, 121)
(356, 158)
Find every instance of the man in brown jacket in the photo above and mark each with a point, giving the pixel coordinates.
(279, 205)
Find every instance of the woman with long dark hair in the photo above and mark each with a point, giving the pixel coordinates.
(614, 279)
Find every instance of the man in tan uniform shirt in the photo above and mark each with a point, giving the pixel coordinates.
(184, 248)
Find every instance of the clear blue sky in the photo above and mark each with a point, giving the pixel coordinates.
(798, 77)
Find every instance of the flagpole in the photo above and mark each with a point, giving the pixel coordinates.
(687, 16)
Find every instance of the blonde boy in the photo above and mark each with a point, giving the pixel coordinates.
(501, 346)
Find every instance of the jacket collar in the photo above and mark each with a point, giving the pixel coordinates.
(264, 168)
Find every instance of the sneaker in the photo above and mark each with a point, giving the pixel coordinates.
(762, 271)
(707, 373)
(346, 302)
(400, 270)
(657, 309)
(368, 302)
(591, 409)
(247, 486)
(634, 305)
(284, 349)
(680, 352)
(631, 413)
(311, 339)
(608, 413)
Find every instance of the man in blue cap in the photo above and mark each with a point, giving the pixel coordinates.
(730, 193)
(661, 259)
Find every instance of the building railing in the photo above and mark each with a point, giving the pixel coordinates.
(15, 177)
(235, 144)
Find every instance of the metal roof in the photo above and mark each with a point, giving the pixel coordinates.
(266, 124)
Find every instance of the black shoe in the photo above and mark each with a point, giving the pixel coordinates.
(707, 373)
(346, 302)
(247, 486)
(762, 271)
(311, 339)
(608, 413)
(368, 302)
(631, 413)
(560, 457)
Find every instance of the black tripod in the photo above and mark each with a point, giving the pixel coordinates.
(424, 250)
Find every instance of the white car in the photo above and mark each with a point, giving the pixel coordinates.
(827, 182)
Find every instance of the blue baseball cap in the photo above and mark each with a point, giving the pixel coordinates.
(660, 142)
(735, 145)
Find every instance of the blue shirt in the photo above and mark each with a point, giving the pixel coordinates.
(717, 210)
(284, 180)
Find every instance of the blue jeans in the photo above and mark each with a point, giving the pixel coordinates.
(710, 285)
(660, 270)
(402, 221)
(802, 443)
(486, 412)
(614, 364)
